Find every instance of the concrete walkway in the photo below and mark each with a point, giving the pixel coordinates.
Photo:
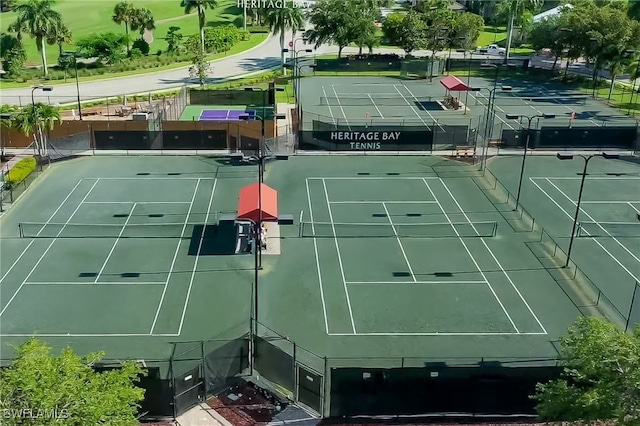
(202, 415)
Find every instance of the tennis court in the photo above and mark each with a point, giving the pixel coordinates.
(224, 112)
(606, 245)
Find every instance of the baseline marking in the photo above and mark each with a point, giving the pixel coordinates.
(138, 202)
(154, 178)
(195, 263)
(473, 259)
(495, 259)
(399, 242)
(175, 256)
(571, 217)
(93, 283)
(86, 335)
(43, 226)
(592, 219)
(387, 202)
(335, 239)
(48, 248)
(315, 249)
(373, 178)
(115, 243)
(441, 334)
(416, 282)
(590, 178)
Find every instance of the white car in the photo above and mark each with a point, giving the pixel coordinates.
(493, 49)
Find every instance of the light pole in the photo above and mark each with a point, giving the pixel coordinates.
(586, 159)
(74, 55)
(486, 135)
(33, 105)
(526, 144)
(257, 225)
(3, 117)
(466, 97)
(297, 86)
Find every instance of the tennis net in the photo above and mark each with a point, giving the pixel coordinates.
(104, 230)
(405, 230)
(609, 229)
(398, 100)
(528, 100)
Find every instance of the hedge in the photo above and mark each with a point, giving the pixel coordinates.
(21, 170)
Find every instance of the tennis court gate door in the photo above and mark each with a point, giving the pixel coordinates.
(309, 387)
(188, 389)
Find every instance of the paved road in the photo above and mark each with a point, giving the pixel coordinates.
(262, 57)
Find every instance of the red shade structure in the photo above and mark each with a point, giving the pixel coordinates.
(454, 84)
(249, 204)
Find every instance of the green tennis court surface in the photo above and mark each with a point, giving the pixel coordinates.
(392, 260)
(195, 112)
(607, 245)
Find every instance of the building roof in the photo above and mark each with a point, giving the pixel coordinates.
(551, 12)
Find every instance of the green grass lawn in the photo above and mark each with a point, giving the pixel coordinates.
(84, 18)
(491, 35)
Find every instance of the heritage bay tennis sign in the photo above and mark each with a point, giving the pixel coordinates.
(365, 140)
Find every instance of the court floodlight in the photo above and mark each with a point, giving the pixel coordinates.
(506, 88)
(280, 116)
(474, 89)
(548, 115)
(512, 116)
(610, 156)
(562, 156)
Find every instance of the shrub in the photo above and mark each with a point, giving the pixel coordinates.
(141, 45)
(135, 53)
(21, 170)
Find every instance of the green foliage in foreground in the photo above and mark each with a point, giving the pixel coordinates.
(67, 389)
(601, 378)
(21, 170)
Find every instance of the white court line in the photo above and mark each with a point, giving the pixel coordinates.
(596, 222)
(175, 255)
(115, 243)
(154, 178)
(606, 202)
(48, 248)
(43, 226)
(495, 259)
(335, 239)
(335, 122)
(340, 105)
(89, 283)
(138, 202)
(634, 207)
(473, 259)
(487, 105)
(86, 335)
(387, 202)
(195, 264)
(417, 100)
(315, 249)
(413, 109)
(416, 282)
(404, 254)
(571, 218)
(549, 93)
(373, 177)
(497, 333)
(375, 105)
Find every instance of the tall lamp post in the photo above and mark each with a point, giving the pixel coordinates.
(526, 144)
(33, 104)
(3, 116)
(257, 225)
(297, 87)
(466, 98)
(74, 55)
(586, 159)
(489, 114)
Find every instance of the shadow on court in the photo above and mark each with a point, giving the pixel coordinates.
(213, 240)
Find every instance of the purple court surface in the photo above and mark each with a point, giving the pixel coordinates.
(223, 114)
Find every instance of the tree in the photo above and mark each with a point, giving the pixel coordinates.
(37, 120)
(634, 10)
(173, 39)
(123, 13)
(201, 67)
(601, 375)
(333, 23)
(142, 20)
(13, 55)
(516, 9)
(412, 33)
(7, 123)
(466, 30)
(392, 28)
(281, 19)
(68, 388)
(200, 6)
(547, 34)
(108, 47)
(39, 20)
(61, 36)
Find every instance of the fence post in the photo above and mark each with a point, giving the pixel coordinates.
(204, 368)
(295, 376)
(326, 408)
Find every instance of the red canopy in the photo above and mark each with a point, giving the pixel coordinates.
(454, 84)
(249, 204)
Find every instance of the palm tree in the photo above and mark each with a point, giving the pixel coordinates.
(143, 20)
(124, 13)
(200, 6)
(37, 120)
(61, 36)
(282, 19)
(516, 10)
(39, 20)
